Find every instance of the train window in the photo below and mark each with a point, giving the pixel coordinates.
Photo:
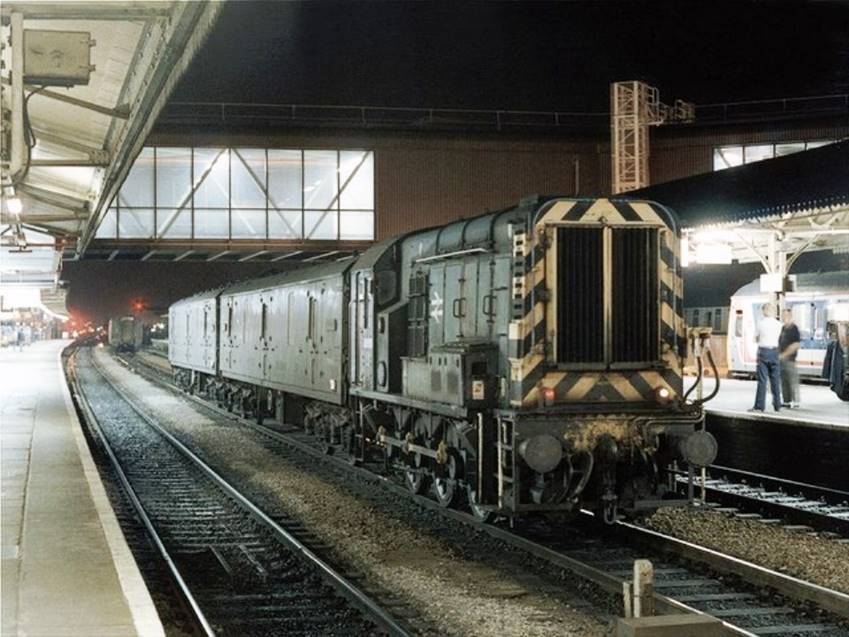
(818, 322)
(717, 321)
(738, 324)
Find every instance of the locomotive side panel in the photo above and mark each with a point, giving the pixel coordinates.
(192, 333)
(287, 333)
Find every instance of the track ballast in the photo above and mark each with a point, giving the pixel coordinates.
(706, 581)
(242, 572)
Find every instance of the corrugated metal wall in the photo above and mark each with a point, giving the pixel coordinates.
(425, 179)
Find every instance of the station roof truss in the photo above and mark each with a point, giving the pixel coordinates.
(769, 212)
(85, 137)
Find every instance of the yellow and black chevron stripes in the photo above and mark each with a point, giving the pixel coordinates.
(631, 386)
(602, 210)
(530, 369)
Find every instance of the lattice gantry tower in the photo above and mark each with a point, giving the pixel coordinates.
(634, 106)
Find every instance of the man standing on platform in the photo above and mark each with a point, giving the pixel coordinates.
(788, 344)
(767, 333)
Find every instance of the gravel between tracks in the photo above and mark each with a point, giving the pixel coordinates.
(815, 559)
(460, 596)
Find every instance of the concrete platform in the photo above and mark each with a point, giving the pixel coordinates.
(66, 568)
(820, 407)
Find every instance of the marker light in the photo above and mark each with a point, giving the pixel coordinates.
(548, 395)
(662, 395)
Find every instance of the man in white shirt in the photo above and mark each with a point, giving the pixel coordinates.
(767, 333)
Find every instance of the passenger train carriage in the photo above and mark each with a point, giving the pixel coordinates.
(526, 360)
(819, 297)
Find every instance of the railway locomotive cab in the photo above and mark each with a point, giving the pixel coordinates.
(527, 360)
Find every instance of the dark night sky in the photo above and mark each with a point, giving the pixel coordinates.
(521, 55)
(488, 55)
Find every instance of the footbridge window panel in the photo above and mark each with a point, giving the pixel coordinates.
(245, 193)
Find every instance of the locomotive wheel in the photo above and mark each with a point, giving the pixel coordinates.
(480, 514)
(445, 486)
(349, 445)
(417, 481)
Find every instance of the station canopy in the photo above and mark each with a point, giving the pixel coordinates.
(81, 135)
(770, 212)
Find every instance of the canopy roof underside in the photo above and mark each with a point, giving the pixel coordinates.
(87, 136)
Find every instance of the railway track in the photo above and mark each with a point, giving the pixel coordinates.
(749, 599)
(239, 571)
(772, 499)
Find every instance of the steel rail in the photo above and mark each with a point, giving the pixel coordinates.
(353, 594)
(798, 502)
(788, 586)
(94, 422)
(811, 490)
(792, 587)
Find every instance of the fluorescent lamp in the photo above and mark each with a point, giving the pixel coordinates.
(685, 252)
(714, 253)
(14, 205)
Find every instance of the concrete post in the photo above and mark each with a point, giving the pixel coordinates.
(643, 588)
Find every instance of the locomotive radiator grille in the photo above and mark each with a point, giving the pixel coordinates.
(658, 365)
(580, 288)
(607, 295)
(634, 320)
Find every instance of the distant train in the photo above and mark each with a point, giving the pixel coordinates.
(126, 333)
(819, 298)
(523, 361)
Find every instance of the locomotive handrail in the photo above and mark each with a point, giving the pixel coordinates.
(448, 255)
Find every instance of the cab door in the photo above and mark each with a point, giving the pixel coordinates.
(363, 331)
(469, 302)
(499, 309)
(437, 311)
(455, 305)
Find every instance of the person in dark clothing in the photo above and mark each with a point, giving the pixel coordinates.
(788, 345)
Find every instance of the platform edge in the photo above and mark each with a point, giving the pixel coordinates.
(142, 609)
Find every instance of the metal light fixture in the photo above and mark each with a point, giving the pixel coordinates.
(14, 205)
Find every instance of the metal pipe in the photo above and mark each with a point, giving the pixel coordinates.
(122, 111)
(17, 39)
(57, 163)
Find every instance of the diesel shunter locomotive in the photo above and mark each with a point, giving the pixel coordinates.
(526, 360)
